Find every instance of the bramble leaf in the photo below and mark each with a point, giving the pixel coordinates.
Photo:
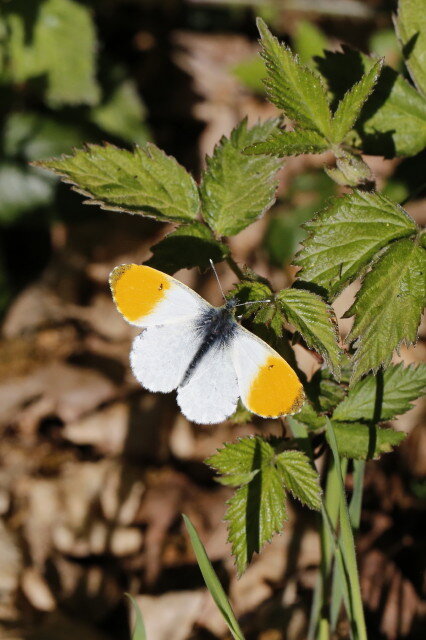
(350, 105)
(345, 236)
(388, 307)
(315, 320)
(144, 181)
(257, 509)
(299, 477)
(242, 456)
(255, 513)
(190, 245)
(411, 31)
(236, 189)
(401, 386)
(49, 49)
(290, 143)
(294, 87)
(393, 120)
(357, 440)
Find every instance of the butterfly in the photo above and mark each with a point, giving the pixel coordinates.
(201, 350)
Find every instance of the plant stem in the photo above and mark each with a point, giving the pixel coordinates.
(235, 268)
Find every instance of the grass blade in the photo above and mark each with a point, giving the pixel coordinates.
(139, 632)
(212, 581)
(347, 545)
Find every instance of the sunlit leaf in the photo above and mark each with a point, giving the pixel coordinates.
(236, 189)
(293, 87)
(393, 120)
(300, 478)
(370, 398)
(290, 143)
(388, 307)
(144, 180)
(411, 30)
(346, 235)
(55, 41)
(315, 321)
(357, 440)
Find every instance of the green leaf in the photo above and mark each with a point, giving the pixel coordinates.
(355, 440)
(345, 236)
(257, 509)
(290, 143)
(22, 189)
(242, 456)
(251, 72)
(294, 87)
(212, 581)
(284, 233)
(236, 189)
(401, 386)
(324, 392)
(122, 113)
(300, 478)
(411, 30)
(349, 107)
(32, 136)
(139, 632)
(54, 42)
(393, 120)
(308, 41)
(255, 513)
(308, 416)
(188, 246)
(388, 307)
(316, 322)
(144, 181)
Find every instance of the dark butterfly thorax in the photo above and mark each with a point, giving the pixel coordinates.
(215, 327)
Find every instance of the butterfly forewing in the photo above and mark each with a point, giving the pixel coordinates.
(147, 297)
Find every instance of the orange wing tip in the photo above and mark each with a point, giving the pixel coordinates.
(137, 289)
(276, 390)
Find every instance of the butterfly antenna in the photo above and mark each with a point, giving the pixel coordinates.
(217, 278)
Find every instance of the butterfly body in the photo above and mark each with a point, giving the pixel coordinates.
(216, 328)
(200, 350)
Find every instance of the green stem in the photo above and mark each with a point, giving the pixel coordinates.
(347, 545)
(319, 616)
(235, 268)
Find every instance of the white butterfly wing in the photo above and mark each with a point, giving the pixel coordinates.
(210, 394)
(147, 297)
(161, 355)
(268, 386)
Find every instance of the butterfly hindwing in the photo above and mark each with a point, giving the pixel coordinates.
(147, 297)
(210, 394)
(267, 384)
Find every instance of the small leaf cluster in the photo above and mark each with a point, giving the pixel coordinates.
(357, 411)
(349, 102)
(235, 190)
(362, 231)
(263, 472)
